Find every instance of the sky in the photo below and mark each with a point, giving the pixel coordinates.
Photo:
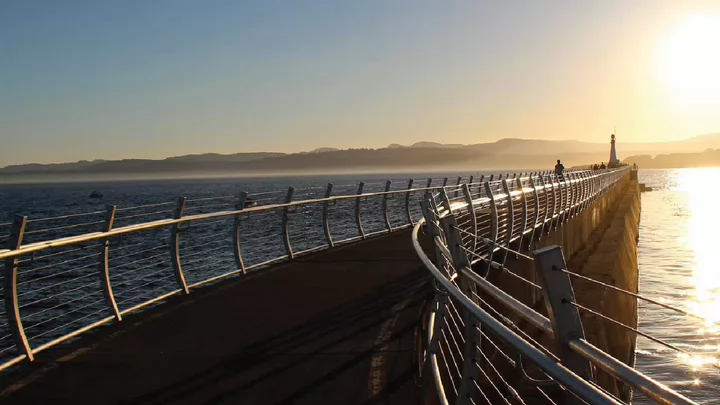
(102, 79)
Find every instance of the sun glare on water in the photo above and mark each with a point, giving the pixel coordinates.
(689, 62)
(701, 233)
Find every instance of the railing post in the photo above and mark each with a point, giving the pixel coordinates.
(511, 219)
(12, 309)
(358, 220)
(445, 200)
(432, 229)
(175, 246)
(237, 232)
(285, 220)
(471, 350)
(572, 196)
(471, 212)
(385, 206)
(565, 318)
(547, 214)
(556, 208)
(591, 188)
(428, 193)
(445, 180)
(576, 193)
(326, 216)
(104, 266)
(536, 219)
(564, 196)
(407, 202)
(457, 186)
(493, 221)
(588, 188)
(595, 185)
(583, 190)
(524, 219)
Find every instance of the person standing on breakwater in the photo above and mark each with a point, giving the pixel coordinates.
(559, 168)
(602, 165)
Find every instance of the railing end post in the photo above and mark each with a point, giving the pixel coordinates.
(565, 318)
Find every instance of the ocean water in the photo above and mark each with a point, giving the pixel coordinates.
(679, 259)
(678, 253)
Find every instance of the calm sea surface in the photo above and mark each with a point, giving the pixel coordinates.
(678, 252)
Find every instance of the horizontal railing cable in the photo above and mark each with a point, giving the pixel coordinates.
(631, 329)
(635, 295)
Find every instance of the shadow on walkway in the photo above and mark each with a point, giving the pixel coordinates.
(336, 327)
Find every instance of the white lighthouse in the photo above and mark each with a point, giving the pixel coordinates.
(613, 154)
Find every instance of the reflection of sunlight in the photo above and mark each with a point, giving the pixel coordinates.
(703, 226)
(696, 360)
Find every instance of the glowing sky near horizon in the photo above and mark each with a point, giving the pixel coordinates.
(149, 79)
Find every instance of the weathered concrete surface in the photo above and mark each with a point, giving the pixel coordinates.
(333, 327)
(611, 257)
(601, 243)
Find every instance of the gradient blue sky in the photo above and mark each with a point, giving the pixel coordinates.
(150, 79)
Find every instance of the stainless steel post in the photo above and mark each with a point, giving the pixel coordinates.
(12, 309)
(175, 246)
(471, 350)
(388, 225)
(103, 264)
(326, 216)
(237, 232)
(565, 318)
(285, 220)
(407, 202)
(358, 220)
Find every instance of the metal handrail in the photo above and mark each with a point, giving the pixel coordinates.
(87, 237)
(567, 378)
(22, 256)
(581, 388)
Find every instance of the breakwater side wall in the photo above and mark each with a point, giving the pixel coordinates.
(601, 243)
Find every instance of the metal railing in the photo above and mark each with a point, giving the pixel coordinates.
(486, 346)
(68, 274)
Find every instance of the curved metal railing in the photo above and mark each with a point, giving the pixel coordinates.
(481, 340)
(70, 273)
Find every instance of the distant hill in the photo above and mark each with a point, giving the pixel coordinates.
(426, 145)
(132, 165)
(514, 146)
(216, 157)
(503, 154)
(323, 150)
(707, 158)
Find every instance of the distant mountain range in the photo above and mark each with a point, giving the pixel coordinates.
(513, 146)
(503, 154)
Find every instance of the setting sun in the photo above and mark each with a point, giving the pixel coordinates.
(689, 62)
